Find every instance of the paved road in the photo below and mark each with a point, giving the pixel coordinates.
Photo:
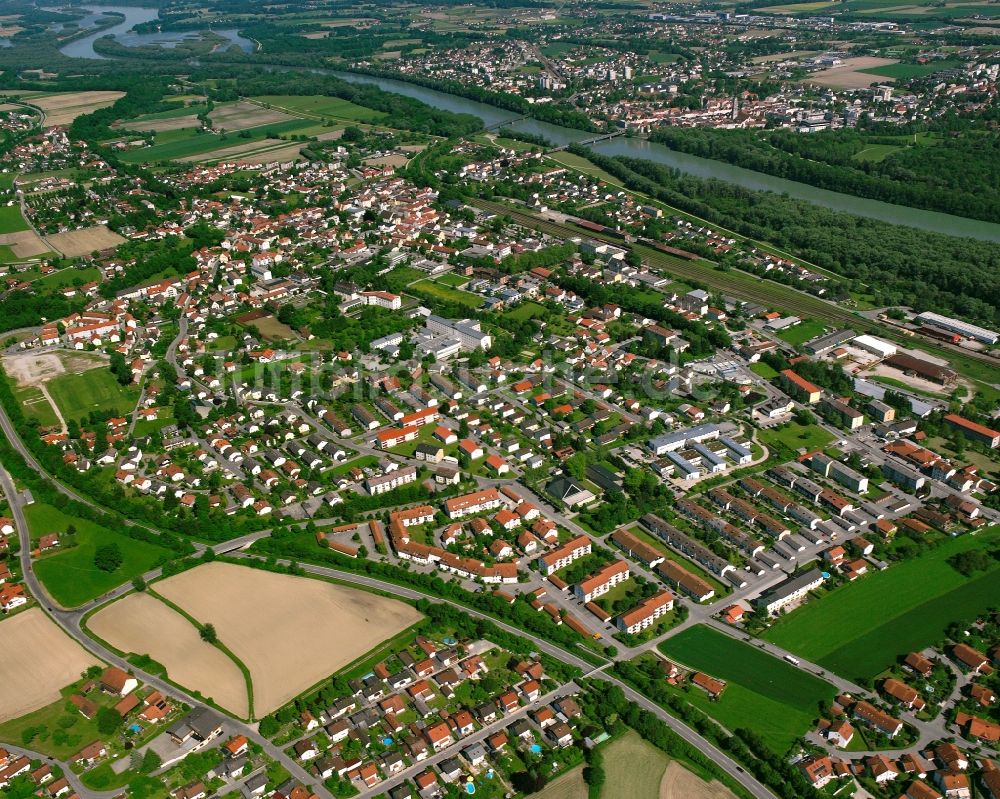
(723, 760)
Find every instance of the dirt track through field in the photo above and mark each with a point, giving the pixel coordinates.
(38, 661)
(142, 624)
(290, 632)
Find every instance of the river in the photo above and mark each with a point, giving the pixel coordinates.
(695, 165)
(636, 148)
(124, 33)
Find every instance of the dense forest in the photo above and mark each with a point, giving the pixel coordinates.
(901, 265)
(922, 175)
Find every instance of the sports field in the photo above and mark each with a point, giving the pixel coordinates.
(70, 575)
(290, 632)
(776, 699)
(39, 660)
(859, 629)
(95, 390)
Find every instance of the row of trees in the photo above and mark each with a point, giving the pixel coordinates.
(917, 175)
(900, 265)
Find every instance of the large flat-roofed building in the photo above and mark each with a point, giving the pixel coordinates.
(669, 442)
(818, 346)
(958, 326)
(467, 332)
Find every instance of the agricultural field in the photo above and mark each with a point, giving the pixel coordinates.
(182, 144)
(243, 115)
(634, 768)
(22, 245)
(262, 616)
(323, 106)
(781, 699)
(448, 294)
(69, 574)
(63, 108)
(916, 601)
(569, 786)
(853, 73)
(143, 625)
(29, 682)
(85, 241)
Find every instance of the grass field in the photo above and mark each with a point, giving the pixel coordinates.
(35, 406)
(781, 700)
(802, 332)
(11, 220)
(94, 390)
(70, 575)
(451, 279)
(447, 293)
(762, 369)
(859, 629)
(526, 310)
(795, 436)
(907, 71)
(321, 105)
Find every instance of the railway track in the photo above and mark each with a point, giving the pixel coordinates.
(763, 292)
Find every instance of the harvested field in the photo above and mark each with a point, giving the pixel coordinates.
(270, 328)
(849, 76)
(63, 108)
(241, 115)
(634, 768)
(143, 625)
(24, 243)
(39, 660)
(569, 786)
(161, 125)
(266, 618)
(85, 241)
(679, 783)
